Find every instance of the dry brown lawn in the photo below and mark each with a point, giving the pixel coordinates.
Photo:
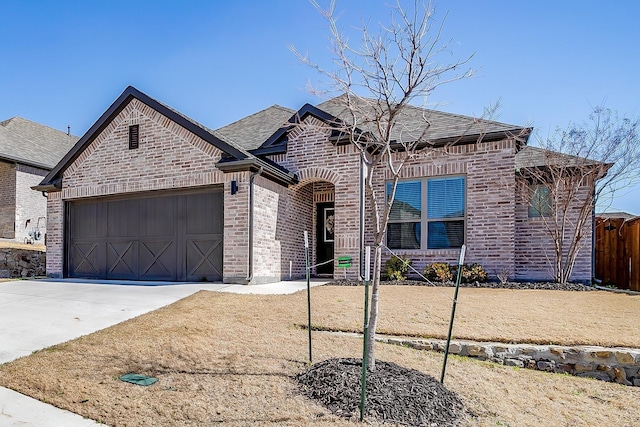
(503, 315)
(18, 245)
(230, 359)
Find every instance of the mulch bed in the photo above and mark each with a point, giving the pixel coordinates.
(492, 285)
(394, 394)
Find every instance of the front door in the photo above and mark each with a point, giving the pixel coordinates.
(324, 237)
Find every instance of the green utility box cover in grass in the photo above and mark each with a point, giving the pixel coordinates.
(138, 379)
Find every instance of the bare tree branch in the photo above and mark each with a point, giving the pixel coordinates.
(581, 166)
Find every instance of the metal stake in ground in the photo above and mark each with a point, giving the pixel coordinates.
(367, 277)
(453, 311)
(308, 268)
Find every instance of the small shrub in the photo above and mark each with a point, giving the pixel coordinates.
(473, 273)
(438, 271)
(443, 272)
(396, 268)
(503, 276)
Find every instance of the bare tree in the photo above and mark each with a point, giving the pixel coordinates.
(398, 65)
(570, 173)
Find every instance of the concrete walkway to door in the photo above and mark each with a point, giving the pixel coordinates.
(35, 314)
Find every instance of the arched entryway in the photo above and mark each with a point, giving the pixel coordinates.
(317, 191)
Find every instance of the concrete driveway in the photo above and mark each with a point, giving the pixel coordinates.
(35, 314)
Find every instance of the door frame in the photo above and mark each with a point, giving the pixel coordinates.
(325, 240)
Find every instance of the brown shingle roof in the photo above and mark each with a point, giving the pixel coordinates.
(540, 157)
(31, 143)
(412, 121)
(251, 131)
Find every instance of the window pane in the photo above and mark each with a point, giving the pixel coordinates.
(445, 234)
(539, 201)
(404, 235)
(407, 204)
(445, 197)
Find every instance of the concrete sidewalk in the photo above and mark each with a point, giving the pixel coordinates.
(36, 314)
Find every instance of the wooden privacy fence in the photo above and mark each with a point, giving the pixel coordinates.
(618, 252)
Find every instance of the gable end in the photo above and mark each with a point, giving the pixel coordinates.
(52, 181)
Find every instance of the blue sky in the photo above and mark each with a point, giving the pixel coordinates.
(547, 61)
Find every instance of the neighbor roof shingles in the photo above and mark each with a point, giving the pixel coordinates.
(31, 143)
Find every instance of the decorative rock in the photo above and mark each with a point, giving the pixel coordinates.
(22, 263)
(395, 341)
(565, 367)
(620, 376)
(586, 361)
(558, 351)
(583, 367)
(624, 357)
(601, 354)
(602, 376)
(418, 345)
(455, 348)
(476, 351)
(514, 362)
(544, 365)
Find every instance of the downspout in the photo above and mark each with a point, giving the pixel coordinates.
(251, 179)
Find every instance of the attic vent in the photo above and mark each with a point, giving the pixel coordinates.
(133, 136)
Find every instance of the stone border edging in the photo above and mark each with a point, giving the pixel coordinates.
(619, 364)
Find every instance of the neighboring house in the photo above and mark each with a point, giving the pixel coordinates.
(28, 151)
(148, 194)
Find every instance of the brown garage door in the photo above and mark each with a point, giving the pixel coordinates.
(173, 237)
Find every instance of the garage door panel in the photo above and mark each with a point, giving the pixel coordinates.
(84, 220)
(122, 259)
(158, 260)
(203, 213)
(122, 218)
(172, 237)
(158, 216)
(84, 259)
(204, 258)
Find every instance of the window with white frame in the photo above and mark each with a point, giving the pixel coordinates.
(427, 214)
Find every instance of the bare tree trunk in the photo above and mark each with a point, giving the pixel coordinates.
(373, 313)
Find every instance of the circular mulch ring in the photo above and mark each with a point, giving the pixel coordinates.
(394, 394)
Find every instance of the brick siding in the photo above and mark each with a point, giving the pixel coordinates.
(490, 203)
(169, 157)
(535, 249)
(8, 197)
(30, 206)
(55, 234)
